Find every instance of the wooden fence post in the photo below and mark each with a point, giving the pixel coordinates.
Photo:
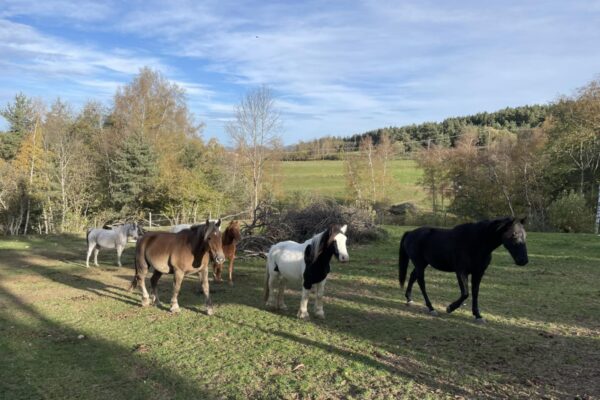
(150, 219)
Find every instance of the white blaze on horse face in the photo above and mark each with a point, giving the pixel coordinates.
(340, 240)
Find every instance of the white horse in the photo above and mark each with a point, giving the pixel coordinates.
(179, 228)
(307, 262)
(109, 239)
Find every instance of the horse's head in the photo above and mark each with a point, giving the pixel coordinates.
(514, 239)
(133, 231)
(233, 229)
(339, 242)
(212, 237)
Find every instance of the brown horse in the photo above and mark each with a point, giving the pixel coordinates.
(231, 237)
(186, 252)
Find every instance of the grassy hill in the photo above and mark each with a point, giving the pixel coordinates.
(327, 178)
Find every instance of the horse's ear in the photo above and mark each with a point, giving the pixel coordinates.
(344, 229)
(307, 255)
(207, 221)
(523, 220)
(218, 223)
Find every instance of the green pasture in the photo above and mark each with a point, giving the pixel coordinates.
(326, 178)
(67, 332)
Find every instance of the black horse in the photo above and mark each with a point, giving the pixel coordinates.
(465, 249)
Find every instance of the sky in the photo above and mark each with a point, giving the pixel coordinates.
(335, 67)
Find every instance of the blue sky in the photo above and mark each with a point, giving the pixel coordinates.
(336, 67)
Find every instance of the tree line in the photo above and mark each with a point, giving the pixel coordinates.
(549, 171)
(62, 171)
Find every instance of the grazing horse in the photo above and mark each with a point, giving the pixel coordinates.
(465, 249)
(231, 237)
(186, 252)
(109, 239)
(307, 262)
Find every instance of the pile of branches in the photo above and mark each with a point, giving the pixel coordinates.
(299, 225)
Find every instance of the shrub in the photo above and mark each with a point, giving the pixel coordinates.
(569, 213)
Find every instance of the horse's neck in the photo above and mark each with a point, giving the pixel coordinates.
(491, 240)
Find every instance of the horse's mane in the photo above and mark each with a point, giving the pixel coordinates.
(232, 233)
(321, 241)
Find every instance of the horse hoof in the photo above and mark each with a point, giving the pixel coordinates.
(145, 302)
(449, 310)
(303, 315)
(210, 311)
(320, 314)
(479, 320)
(409, 303)
(433, 313)
(175, 309)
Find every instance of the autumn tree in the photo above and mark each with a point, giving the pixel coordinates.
(255, 132)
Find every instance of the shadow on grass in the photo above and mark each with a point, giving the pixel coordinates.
(444, 353)
(44, 359)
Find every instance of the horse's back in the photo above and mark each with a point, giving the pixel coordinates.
(104, 238)
(288, 258)
(434, 246)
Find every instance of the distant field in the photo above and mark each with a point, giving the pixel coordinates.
(327, 178)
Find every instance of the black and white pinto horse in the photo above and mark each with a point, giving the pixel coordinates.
(115, 238)
(465, 249)
(307, 262)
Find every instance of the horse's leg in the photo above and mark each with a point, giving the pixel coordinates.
(119, 252)
(475, 281)
(231, 269)
(421, 282)
(411, 282)
(463, 282)
(280, 304)
(206, 291)
(319, 313)
(177, 280)
(273, 278)
(154, 283)
(217, 271)
(96, 251)
(141, 277)
(89, 253)
(303, 311)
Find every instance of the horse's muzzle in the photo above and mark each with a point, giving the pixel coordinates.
(220, 259)
(522, 262)
(344, 259)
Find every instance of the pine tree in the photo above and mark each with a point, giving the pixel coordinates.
(134, 173)
(21, 117)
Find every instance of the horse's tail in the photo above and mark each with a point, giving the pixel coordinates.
(266, 294)
(87, 236)
(137, 264)
(402, 261)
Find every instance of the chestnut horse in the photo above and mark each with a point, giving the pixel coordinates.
(231, 238)
(186, 252)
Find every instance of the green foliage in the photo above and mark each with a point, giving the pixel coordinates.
(570, 213)
(20, 116)
(133, 172)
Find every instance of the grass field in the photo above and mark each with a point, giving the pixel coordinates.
(542, 339)
(327, 178)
